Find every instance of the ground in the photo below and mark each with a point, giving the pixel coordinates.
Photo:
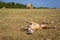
(11, 21)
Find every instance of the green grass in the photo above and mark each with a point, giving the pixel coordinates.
(11, 21)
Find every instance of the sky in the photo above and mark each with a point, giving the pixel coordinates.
(38, 3)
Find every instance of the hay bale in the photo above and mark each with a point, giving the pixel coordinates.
(29, 6)
(3, 7)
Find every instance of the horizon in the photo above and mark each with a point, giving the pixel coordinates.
(37, 3)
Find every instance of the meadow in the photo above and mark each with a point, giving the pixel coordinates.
(11, 21)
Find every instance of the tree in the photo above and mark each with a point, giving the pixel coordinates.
(11, 5)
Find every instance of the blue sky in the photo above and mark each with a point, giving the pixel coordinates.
(38, 3)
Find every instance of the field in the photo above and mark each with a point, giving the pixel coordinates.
(11, 21)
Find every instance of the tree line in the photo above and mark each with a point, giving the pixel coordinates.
(18, 5)
(11, 5)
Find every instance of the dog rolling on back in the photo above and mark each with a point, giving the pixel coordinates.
(36, 26)
(33, 25)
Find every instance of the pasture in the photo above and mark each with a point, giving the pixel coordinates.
(11, 21)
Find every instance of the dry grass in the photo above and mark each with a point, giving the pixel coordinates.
(12, 19)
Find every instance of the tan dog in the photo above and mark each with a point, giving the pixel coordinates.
(33, 25)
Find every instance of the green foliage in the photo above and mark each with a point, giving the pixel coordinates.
(43, 8)
(11, 5)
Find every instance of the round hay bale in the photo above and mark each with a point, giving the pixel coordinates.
(29, 6)
(3, 7)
